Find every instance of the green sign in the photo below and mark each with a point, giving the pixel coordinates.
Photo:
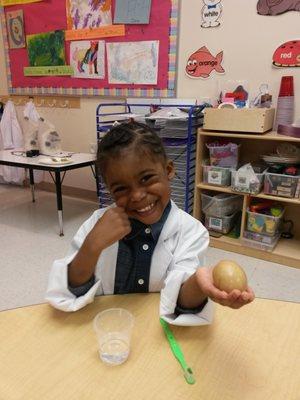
(49, 71)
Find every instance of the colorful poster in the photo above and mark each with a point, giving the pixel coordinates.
(287, 54)
(46, 49)
(87, 59)
(133, 62)
(88, 14)
(201, 63)
(132, 11)
(211, 13)
(271, 7)
(15, 29)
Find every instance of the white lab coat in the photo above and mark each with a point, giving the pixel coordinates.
(178, 253)
(32, 114)
(11, 138)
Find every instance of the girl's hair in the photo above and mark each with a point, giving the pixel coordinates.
(135, 135)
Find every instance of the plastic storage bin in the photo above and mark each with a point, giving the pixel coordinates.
(226, 155)
(262, 243)
(282, 185)
(263, 223)
(221, 204)
(241, 183)
(221, 224)
(215, 175)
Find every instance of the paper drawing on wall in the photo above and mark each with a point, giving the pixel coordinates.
(88, 14)
(201, 63)
(46, 49)
(132, 11)
(133, 62)
(276, 7)
(87, 58)
(287, 55)
(15, 29)
(211, 13)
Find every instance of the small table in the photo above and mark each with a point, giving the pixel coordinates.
(251, 353)
(79, 160)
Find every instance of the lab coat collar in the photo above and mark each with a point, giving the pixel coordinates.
(172, 224)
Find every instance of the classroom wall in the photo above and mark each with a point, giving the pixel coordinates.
(248, 41)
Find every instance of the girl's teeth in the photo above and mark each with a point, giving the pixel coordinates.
(148, 208)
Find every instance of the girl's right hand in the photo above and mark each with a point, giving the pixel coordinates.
(110, 228)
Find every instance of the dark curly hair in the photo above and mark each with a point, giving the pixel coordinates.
(135, 135)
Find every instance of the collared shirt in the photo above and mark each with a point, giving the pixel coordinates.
(135, 254)
(134, 258)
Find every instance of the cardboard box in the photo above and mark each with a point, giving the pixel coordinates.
(250, 120)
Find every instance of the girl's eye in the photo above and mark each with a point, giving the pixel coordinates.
(147, 178)
(119, 189)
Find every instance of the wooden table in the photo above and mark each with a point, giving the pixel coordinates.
(79, 160)
(249, 354)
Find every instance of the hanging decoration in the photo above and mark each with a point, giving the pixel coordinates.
(211, 13)
(276, 7)
(15, 29)
(287, 54)
(87, 59)
(201, 63)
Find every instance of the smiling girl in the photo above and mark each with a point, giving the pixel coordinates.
(143, 242)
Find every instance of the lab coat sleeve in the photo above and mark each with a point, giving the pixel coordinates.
(188, 256)
(58, 293)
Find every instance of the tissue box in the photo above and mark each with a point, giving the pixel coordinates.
(250, 120)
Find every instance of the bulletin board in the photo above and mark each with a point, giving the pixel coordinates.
(50, 15)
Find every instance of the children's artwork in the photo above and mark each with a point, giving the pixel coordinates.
(87, 59)
(201, 63)
(276, 7)
(132, 11)
(211, 13)
(51, 15)
(15, 29)
(287, 55)
(46, 49)
(133, 62)
(88, 14)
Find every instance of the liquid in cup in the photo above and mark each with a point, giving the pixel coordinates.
(113, 329)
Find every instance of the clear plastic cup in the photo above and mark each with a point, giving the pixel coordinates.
(113, 329)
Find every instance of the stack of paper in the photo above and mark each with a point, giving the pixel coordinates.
(183, 182)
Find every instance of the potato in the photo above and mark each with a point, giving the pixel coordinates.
(228, 275)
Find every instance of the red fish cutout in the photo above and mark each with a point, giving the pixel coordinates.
(287, 55)
(201, 63)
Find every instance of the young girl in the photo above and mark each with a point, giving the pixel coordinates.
(142, 243)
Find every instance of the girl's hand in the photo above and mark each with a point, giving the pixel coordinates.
(111, 227)
(234, 299)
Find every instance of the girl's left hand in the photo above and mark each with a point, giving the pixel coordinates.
(234, 299)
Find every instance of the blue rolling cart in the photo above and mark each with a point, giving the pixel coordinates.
(178, 136)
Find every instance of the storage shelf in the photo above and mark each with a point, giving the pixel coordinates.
(286, 252)
(226, 189)
(272, 135)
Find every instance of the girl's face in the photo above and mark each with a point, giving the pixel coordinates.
(140, 185)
